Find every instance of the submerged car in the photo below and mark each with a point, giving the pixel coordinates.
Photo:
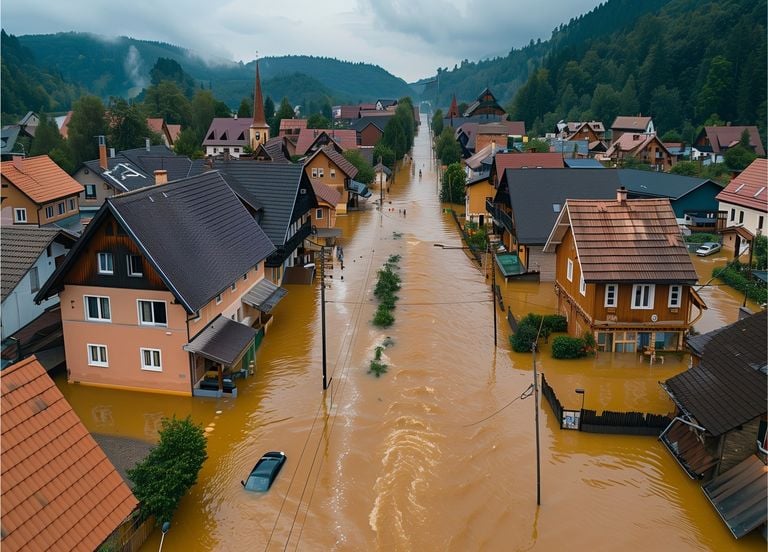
(707, 249)
(264, 472)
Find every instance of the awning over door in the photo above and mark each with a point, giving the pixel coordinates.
(264, 295)
(740, 496)
(223, 341)
(359, 188)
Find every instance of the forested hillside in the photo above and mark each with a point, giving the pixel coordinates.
(691, 63)
(120, 67)
(505, 75)
(28, 87)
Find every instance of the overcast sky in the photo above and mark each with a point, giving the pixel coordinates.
(408, 38)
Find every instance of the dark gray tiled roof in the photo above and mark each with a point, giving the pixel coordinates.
(134, 169)
(20, 248)
(532, 192)
(275, 186)
(728, 388)
(223, 340)
(196, 233)
(582, 163)
(121, 174)
(659, 184)
(378, 122)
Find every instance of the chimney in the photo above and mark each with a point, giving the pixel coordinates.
(161, 177)
(621, 195)
(146, 143)
(18, 162)
(112, 153)
(103, 153)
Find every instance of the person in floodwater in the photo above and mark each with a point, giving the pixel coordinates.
(419, 174)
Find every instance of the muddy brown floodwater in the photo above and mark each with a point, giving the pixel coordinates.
(436, 454)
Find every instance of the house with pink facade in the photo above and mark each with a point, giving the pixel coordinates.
(165, 291)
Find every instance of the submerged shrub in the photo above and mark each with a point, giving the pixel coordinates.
(564, 346)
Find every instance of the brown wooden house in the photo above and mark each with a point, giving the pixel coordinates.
(645, 148)
(623, 273)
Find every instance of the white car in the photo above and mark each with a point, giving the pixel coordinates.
(707, 249)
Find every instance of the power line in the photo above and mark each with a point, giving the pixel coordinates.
(524, 395)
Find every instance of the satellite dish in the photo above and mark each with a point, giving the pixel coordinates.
(654, 317)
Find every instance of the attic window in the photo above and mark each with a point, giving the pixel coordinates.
(758, 192)
(737, 190)
(242, 136)
(210, 136)
(223, 136)
(556, 207)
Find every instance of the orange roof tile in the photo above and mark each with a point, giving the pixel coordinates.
(40, 179)
(325, 193)
(59, 491)
(155, 124)
(636, 240)
(750, 188)
(286, 124)
(174, 131)
(346, 138)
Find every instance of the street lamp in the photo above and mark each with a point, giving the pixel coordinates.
(166, 526)
(581, 392)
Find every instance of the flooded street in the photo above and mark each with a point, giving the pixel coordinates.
(439, 453)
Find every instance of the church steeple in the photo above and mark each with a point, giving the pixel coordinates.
(259, 129)
(453, 111)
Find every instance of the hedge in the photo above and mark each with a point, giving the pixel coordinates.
(735, 277)
(564, 346)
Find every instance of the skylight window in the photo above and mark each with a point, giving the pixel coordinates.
(758, 192)
(738, 189)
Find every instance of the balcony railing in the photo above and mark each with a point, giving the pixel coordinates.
(282, 253)
(500, 217)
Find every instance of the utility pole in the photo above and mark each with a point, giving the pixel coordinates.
(536, 409)
(493, 292)
(322, 309)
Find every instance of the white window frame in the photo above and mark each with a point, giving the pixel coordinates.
(582, 285)
(98, 348)
(675, 302)
(131, 273)
(107, 256)
(314, 172)
(20, 214)
(218, 299)
(99, 308)
(152, 367)
(332, 173)
(320, 172)
(318, 214)
(569, 270)
(62, 207)
(88, 194)
(49, 211)
(152, 322)
(34, 280)
(608, 288)
(650, 297)
(233, 287)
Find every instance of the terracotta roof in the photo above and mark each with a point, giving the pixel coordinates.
(59, 492)
(174, 131)
(631, 123)
(286, 124)
(40, 179)
(226, 131)
(259, 120)
(632, 143)
(453, 111)
(348, 112)
(723, 137)
(504, 161)
(21, 247)
(516, 128)
(325, 193)
(727, 389)
(346, 138)
(345, 166)
(750, 188)
(64, 128)
(636, 240)
(155, 124)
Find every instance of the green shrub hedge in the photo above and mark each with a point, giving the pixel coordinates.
(564, 346)
(735, 276)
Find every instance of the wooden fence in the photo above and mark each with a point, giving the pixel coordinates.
(619, 423)
(477, 253)
(130, 536)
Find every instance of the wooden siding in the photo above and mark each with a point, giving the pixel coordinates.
(369, 136)
(84, 270)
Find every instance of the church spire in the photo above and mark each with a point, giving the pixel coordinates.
(259, 129)
(454, 109)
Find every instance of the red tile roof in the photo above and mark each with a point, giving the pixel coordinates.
(325, 193)
(636, 240)
(633, 143)
(155, 124)
(174, 131)
(724, 137)
(346, 138)
(286, 124)
(750, 188)
(40, 179)
(631, 123)
(59, 490)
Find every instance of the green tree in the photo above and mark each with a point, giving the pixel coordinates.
(284, 112)
(170, 469)
(738, 157)
(760, 252)
(666, 107)
(204, 108)
(269, 111)
(447, 148)
(714, 94)
(628, 104)
(169, 70)
(167, 101)
(188, 144)
(437, 122)
(385, 153)
(365, 173)
(245, 111)
(318, 120)
(453, 186)
(128, 127)
(47, 136)
(537, 146)
(605, 103)
(86, 124)
(685, 168)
